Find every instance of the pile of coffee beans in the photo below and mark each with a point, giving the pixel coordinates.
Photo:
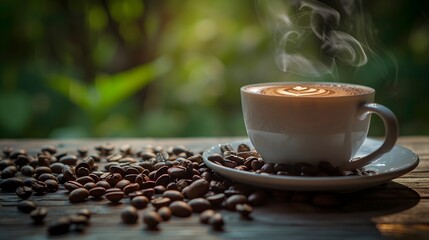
(162, 182)
(245, 159)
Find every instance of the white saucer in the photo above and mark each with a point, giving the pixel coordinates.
(393, 164)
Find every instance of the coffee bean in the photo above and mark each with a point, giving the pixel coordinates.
(26, 206)
(217, 199)
(151, 219)
(8, 172)
(122, 184)
(44, 160)
(132, 187)
(72, 185)
(199, 205)
(97, 192)
(216, 221)
(139, 202)
(22, 160)
(129, 215)
(197, 189)
(78, 195)
(257, 198)
(68, 174)
(60, 226)
(85, 179)
(51, 185)
(11, 184)
(39, 214)
(233, 200)
(268, 168)
(56, 167)
(160, 202)
(174, 195)
(24, 192)
(103, 184)
(113, 179)
(39, 187)
(244, 209)
(206, 215)
(165, 213)
(163, 180)
(90, 185)
(114, 196)
(46, 176)
(27, 170)
(78, 219)
(180, 209)
(257, 164)
(69, 160)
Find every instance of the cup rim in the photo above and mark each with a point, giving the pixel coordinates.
(368, 92)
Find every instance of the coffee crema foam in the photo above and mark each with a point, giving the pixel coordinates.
(311, 90)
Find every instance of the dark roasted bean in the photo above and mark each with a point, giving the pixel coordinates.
(9, 172)
(129, 215)
(24, 192)
(140, 202)
(257, 198)
(69, 160)
(199, 205)
(39, 187)
(11, 184)
(51, 185)
(216, 221)
(197, 189)
(39, 214)
(97, 192)
(160, 202)
(59, 226)
(165, 213)
(78, 195)
(244, 209)
(233, 200)
(206, 215)
(174, 195)
(151, 219)
(114, 196)
(72, 185)
(180, 209)
(26, 206)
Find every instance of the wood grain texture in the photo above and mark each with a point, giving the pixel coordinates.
(398, 209)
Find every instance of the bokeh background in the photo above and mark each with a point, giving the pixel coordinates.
(132, 68)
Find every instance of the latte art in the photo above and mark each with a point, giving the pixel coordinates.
(310, 90)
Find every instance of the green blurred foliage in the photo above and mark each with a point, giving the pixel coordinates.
(132, 68)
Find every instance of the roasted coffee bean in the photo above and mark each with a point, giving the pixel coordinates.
(244, 209)
(50, 149)
(78, 219)
(197, 189)
(27, 170)
(47, 176)
(68, 174)
(216, 221)
(82, 172)
(160, 202)
(199, 205)
(268, 168)
(172, 186)
(39, 187)
(140, 202)
(9, 172)
(57, 167)
(117, 169)
(257, 198)
(178, 172)
(39, 214)
(82, 151)
(51, 185)
(233, 200)
(163, 180)
(69, 160)
(44, 160)
(122, 184)
(206, 215)
(161, 171)
(216, 158)
(113, 179)
(59, 226)
(85, 179)
(22, 160)
(180, 209)
(114, 196)
(89, 185)
(103, 184)
(148, 192)
(28, 182)
(7, 151)
(78, 195)
(14, 154)
(24, 192)
(41, 170)
(97, 192)
(26, 206)
(132, 170)
(129, 215)
(217, 199)
(159, 189)
(165, 213)
(11, 184)
(151, 219)
(174, 195)
(257, 164)
(132, 187)
(72, 185)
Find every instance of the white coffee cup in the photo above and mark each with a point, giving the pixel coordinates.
(290, 122)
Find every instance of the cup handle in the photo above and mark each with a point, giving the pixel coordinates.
(391, 127)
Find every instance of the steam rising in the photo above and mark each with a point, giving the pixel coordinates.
(312, 38)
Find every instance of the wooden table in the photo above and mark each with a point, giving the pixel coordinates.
(396, 210)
